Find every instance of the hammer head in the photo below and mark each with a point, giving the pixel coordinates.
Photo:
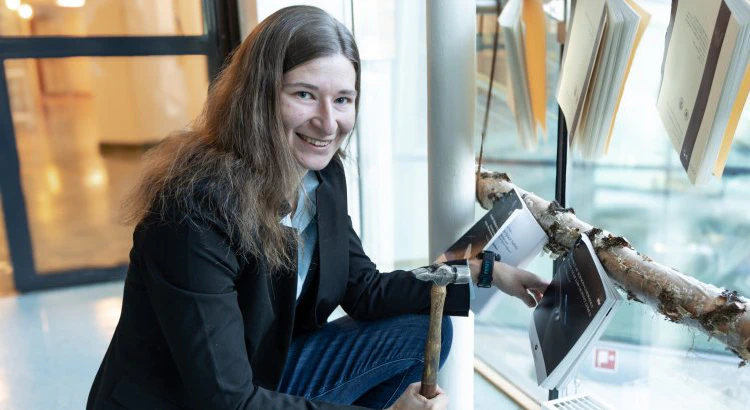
(443, 274)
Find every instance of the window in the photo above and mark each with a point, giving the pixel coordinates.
(81, 125)
(639, 191)
(101, 18)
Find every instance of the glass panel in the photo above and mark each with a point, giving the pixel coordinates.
(392, 137)
(6, 270)
(532, 169)
(501, 335)
(503, 321)
(640, 191)
(101, 18)
(81, 127)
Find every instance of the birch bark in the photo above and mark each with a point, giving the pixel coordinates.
(722, 314)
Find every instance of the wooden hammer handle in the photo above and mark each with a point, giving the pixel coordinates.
(432, 346)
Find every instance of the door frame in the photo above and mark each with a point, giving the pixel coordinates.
(220, 36)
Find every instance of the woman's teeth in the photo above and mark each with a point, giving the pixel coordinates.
(313, 141)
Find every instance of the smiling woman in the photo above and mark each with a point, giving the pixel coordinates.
(317, 108)
(224, 305)
(228, 293)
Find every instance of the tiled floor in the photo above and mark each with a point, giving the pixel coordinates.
(51, 344)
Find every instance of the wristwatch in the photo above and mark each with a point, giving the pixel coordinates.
(485, 273)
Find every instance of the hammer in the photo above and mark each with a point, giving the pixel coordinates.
(441, 275)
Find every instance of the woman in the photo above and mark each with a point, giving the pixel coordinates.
(224, 307)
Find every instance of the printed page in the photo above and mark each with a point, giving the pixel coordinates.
(645, 19)
(520, 241)
(519, 99)
(535, 47)
(508, 228)
(600, 86)
(581, 46)
(690, 60)
(482, 232)
(734, 119)
(707, 142)
(567, 311)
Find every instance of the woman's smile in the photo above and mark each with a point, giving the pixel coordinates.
(318, 143)
(318, 109)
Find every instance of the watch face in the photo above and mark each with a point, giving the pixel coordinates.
(487, 262)
(485, 274)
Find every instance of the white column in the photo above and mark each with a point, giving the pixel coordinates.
(248, 11)
(451, 89)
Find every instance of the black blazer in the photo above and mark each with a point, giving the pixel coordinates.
(204, 328)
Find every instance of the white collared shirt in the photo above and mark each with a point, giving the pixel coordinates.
(305, 223)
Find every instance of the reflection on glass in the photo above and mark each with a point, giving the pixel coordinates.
(501, 336)
(101, 18)
(640, 191)
(107, 314)
(534, 170)
(391, 38)
(81, 127)
(6, 270)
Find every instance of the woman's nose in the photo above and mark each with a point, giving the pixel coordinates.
(325, 119)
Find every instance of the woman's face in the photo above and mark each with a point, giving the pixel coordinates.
(317, 108)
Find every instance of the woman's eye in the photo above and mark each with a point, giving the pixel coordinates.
(343, 100)
(304, 95)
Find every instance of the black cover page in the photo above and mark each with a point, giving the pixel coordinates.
(568, 305)
(479, 235)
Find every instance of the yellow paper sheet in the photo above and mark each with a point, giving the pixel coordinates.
(535, 47)
(734, 119)
(581, 47)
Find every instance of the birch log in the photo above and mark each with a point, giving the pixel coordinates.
(720, 313)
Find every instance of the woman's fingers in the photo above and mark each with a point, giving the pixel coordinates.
(528, 300)
(415, 389)
(537, 294)
(528, 286)
(531, 280)
(440, 402)
(520, 283)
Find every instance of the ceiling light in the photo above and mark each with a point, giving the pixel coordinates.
(71, 3)
(12, 4)
(25, 11)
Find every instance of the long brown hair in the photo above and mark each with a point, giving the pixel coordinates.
(234, 167)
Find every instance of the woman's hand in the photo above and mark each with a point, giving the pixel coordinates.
(516, 282)
(412, 400)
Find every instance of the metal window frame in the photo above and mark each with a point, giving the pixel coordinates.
(220, 36)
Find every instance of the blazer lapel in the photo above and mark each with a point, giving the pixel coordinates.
(333, 238)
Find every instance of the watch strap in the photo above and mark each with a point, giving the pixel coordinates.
(485, 273)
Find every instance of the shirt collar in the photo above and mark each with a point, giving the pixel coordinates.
(306, 204)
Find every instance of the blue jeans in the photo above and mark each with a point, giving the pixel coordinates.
(367, 364)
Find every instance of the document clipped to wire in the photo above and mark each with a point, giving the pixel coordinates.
(705, 82)
(523, 27)
(599, 51)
